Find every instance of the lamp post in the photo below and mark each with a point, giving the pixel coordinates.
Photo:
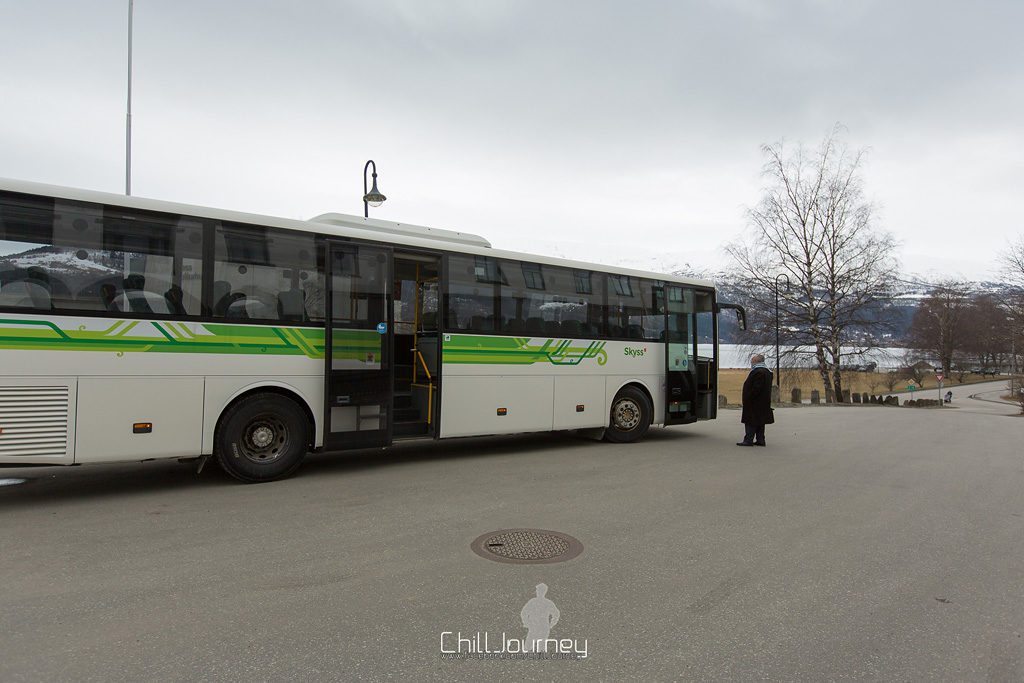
(373, 197)
(778, 378)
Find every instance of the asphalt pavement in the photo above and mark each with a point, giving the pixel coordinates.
(864, 542)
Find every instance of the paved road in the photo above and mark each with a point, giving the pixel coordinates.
(988, 397)
(864, 542)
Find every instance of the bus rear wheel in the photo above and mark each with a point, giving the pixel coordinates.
(261, 438)
(630, 416)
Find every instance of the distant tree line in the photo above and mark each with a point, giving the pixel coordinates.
(965, 330)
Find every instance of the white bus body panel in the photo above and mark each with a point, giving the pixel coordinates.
(589, 392)
(470, 405)
(543, 396)
(108, 407)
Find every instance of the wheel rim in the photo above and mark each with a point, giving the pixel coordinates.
(265, 439)
(626, 415)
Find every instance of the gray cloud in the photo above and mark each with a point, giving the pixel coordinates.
(621, 126)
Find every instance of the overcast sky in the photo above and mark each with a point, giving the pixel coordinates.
(609, 131)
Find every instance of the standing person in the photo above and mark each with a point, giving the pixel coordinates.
(757, 402)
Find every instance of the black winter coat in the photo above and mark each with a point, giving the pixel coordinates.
(757, 397)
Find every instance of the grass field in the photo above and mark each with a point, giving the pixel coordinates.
(731, 383)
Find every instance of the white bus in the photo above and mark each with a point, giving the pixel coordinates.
(133, 329)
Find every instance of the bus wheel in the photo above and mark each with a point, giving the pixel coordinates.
(630, 416)
(261, 438)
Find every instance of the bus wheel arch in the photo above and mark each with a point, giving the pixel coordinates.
(263, 434)
(631, 413)
(281, 389)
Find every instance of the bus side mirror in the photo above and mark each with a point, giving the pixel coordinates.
(741, 313)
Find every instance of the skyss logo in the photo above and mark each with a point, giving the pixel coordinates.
(635, 353)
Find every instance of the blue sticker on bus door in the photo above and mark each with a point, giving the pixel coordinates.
(382, 328)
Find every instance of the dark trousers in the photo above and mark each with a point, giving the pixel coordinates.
(754, 433)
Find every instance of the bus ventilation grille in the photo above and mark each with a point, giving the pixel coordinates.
(33, 421)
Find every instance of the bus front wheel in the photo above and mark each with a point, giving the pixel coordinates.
(630, 416)
(261, 438)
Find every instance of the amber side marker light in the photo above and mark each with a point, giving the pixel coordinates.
(579, 408)
(502, 412)
(142, 428)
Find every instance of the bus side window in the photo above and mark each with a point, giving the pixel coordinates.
(265, 274)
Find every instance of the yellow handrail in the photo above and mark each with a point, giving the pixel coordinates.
(423, 363)
(430, 385)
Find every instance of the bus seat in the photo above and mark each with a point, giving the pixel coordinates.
(534, 326)
(429, 321)
(175, 300)
(291, 305)
(232, 308)
(478, 323)
(246, 308)
(25, 294)
(615, 331)
(572, 329)
(221, 298)
(552, 328)
(515, 326)
(257, 310)
(139, 301)
(635, 332)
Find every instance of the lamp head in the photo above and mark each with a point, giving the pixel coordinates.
(374, 196)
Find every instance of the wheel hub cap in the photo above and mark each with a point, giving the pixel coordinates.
(262, 436)
(627, 415)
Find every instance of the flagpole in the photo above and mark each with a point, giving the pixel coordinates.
(128, 115)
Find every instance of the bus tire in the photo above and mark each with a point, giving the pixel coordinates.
(630, 416)
(262, 437)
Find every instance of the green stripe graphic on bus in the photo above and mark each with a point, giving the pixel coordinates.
(479, 350)
(140, 336)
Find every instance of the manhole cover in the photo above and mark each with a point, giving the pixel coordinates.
(527, 546)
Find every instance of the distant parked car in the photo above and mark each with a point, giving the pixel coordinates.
(860, 367)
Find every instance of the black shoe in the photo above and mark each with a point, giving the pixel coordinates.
(760, 443)
(743, 443)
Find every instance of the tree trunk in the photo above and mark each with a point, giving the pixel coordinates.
(837, 377)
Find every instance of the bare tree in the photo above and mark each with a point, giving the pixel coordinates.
(938, 327)
(814, 228)
(892, 378)
(988, 326)
(1012, 267)
(1012, 262)
(961, 369)
(914, 370)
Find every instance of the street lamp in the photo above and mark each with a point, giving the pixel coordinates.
(372, 198)
(778, 378)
